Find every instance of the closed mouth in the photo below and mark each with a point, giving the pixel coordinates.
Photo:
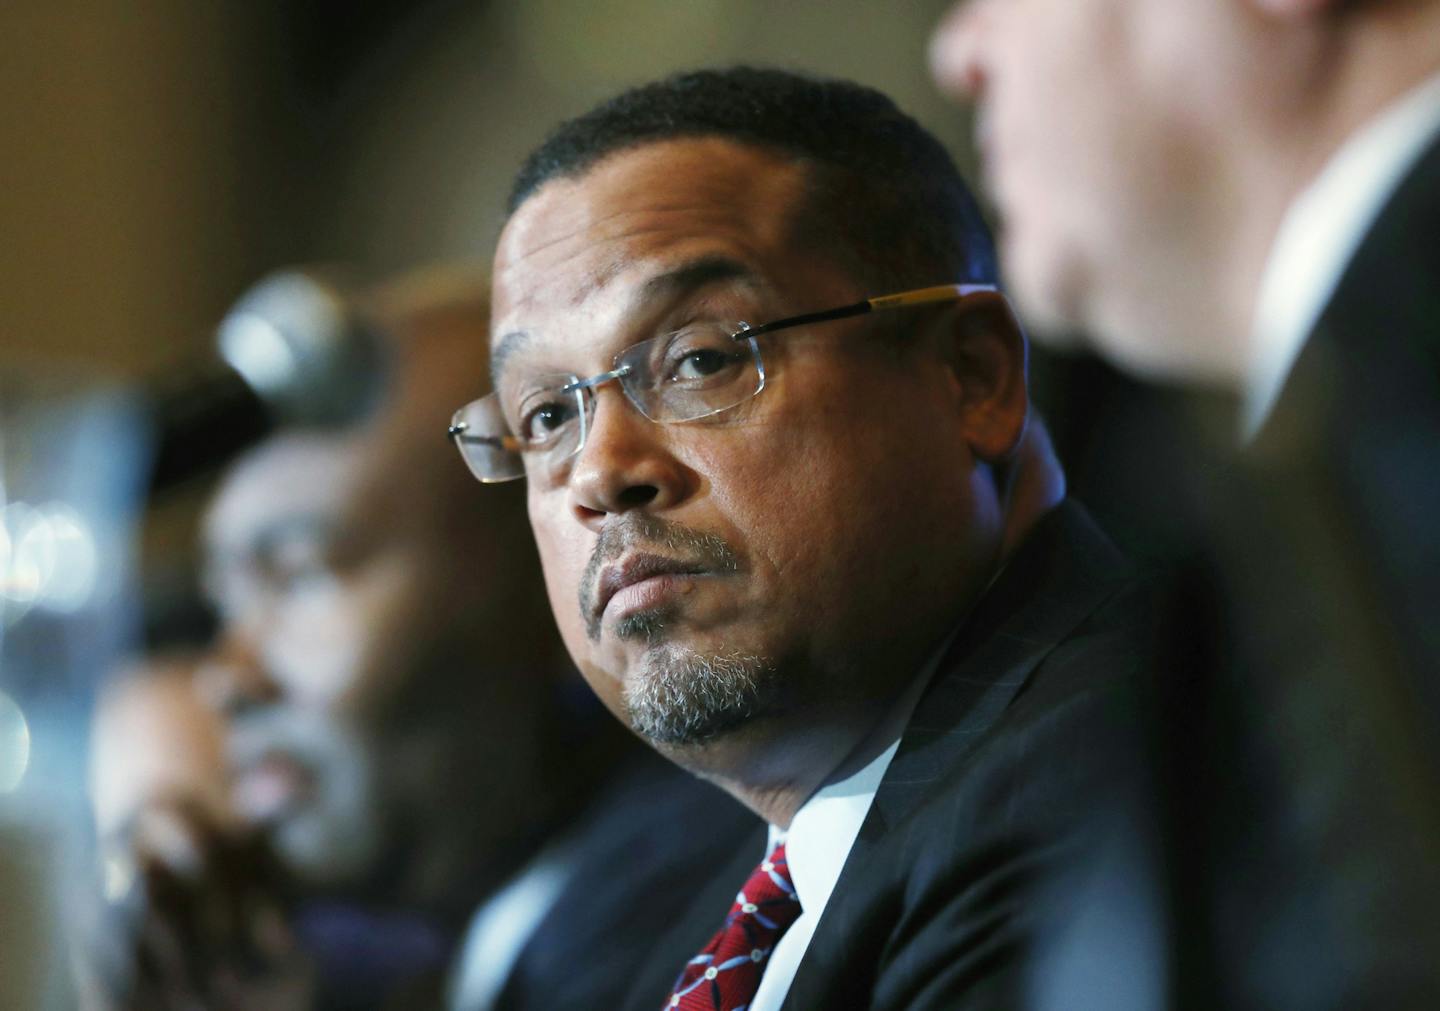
(632, 570)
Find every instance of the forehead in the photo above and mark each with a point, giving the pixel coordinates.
(592, 243)
(291, 479)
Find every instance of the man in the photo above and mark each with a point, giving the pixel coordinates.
(400, 728)
(1246, 193)
(814, 557)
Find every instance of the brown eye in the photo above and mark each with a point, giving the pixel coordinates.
(700, 357)
(546, 421)
(702, 364)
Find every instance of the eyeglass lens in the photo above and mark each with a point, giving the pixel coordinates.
(693, 373)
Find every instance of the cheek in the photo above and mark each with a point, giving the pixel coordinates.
(564, 547)
(315, 645)
(1082, 158)
(767, 481)
(1064, 70)
(824, 496)
(358, 642)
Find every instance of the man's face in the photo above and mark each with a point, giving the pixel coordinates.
(1099, 122)
(707, 576)
(298, 653)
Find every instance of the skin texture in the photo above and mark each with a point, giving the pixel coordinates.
(851, 494)
(1143, 152)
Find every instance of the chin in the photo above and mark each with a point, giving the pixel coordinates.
(327, 848)
(678, 696)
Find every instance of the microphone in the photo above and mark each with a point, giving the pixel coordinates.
(295, 349)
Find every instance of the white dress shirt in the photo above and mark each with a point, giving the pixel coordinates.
(819, 839)
(816, 846)
(1320, 234)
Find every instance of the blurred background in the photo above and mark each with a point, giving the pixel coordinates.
(162, 156)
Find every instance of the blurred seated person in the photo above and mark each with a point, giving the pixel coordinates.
(403, 738)
(165, 830)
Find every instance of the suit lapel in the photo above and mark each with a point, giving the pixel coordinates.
(1350, 452)
(1062, 573)
(1377, 343)
(1065, 570)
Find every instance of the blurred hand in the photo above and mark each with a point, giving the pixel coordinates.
(194, 917)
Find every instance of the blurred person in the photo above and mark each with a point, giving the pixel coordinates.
(1246, 194)
(382, 662)
(403, 739)
(822, 560)
(1224, 189)
(159, 791)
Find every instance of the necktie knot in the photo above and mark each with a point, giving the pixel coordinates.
(726, 974)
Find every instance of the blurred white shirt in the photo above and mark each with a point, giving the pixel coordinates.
(1320, 234)
(502, 927)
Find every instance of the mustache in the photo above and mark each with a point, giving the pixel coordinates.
(300, 737)
(631, 530)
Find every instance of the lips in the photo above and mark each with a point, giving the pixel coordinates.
(265, 790)
(632, 570)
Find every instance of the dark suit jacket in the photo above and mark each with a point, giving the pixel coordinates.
(1294, 786)
(1321, 824)
(941, 895)
(1352, 450)
(641, 849)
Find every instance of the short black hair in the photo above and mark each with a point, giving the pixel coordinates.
(885, 197)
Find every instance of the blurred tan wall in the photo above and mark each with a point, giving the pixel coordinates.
(160, 155)
(122, 191)
(430, 156)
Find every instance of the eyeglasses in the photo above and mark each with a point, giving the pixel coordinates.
(696, 372)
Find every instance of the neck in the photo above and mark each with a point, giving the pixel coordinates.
(1340, 77)
(774, 772)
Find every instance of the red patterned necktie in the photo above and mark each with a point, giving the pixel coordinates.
(725, 976)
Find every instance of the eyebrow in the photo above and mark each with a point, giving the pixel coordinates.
(668, 286)
(694, 275)
(504, 348)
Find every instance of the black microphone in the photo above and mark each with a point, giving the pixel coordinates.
(295, 349)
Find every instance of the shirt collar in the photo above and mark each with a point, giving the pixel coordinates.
(1319, 235)
(824, 829)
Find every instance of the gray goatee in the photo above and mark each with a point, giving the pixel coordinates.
(679, 696)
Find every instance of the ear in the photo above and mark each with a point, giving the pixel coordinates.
(986, 352)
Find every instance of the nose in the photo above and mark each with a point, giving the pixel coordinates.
(626, 463)
(958, 49)
(232, 679)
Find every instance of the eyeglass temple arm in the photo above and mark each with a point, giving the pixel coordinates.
(460, 433)
(902, 300)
